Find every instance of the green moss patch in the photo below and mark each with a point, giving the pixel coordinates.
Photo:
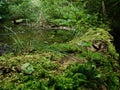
(80, 64)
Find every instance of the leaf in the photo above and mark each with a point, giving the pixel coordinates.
(27, 68)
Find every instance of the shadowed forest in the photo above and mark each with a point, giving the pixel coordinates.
(59, 44)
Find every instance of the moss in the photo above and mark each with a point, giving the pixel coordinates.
(72, 65)
(95, 40)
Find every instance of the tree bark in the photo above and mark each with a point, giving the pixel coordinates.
(104, 8)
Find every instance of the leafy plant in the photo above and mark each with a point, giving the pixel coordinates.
(27, 68)
(4, 9)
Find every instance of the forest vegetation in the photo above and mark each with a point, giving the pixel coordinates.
(59, 45)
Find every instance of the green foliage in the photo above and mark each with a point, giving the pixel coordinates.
(60, 48)
(94, 6)
(40, 64)
(17, 9)
(3, 9)
(64, 83)
(58, 12)
(90, 76)
(110, 8)
(87, 44)
(24, 9)
(27, 68)
(76, 16)
(95, 72)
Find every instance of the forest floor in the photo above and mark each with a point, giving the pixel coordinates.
(80, 63)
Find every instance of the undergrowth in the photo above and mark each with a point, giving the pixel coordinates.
(48, 67)
(61, 60)
(43, 71)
